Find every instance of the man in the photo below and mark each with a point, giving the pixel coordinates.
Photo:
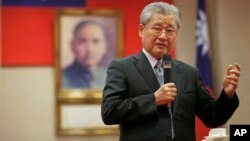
(134, 99)
(89, 45)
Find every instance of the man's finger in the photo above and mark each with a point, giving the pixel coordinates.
(172, 85)
(230, 67)
(237, 67)
(233, 78)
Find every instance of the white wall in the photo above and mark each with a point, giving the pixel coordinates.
(185, 49)
(28, 104)
(27, 98)
(1, 105)
(234, 33)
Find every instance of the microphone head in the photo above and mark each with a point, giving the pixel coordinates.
(166, 61)
(166, 58)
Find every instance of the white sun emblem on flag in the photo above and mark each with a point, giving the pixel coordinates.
(202, 33)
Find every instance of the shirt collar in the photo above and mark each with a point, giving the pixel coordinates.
(151, 59)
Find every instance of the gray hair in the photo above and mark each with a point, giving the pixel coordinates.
(160, 8)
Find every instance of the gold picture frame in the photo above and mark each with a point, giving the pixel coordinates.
(77, 104)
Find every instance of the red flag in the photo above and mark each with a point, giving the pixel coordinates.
(28, 31)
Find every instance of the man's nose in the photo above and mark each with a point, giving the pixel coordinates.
(163, 35)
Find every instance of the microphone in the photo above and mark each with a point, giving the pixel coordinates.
(166, 62)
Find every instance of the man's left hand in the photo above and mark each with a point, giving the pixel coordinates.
(231, 79)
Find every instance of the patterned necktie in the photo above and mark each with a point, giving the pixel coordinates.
(159, 72)
(160, 77)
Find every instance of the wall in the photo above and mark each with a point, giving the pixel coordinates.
(28, 104)
(27, 93)
(234, 33)
(1, 104)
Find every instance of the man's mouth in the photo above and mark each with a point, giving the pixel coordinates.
(161, 45)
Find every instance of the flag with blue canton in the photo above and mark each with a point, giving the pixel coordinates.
(203, 60)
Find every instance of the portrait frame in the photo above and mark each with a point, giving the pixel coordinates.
(71, 103)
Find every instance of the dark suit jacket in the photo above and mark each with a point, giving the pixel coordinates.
(128, 100)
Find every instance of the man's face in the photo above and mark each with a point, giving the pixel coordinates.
(89, 45)
(159, 34)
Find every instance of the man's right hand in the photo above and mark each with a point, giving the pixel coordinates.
(165, 94)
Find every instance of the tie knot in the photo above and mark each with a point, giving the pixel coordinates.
(158, 65)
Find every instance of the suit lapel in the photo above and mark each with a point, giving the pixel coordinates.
(144, 68)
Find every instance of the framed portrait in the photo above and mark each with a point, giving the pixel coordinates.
(86, 43)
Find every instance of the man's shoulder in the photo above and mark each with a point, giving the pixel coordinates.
(127, 60)
(124, 63)
(184, 66)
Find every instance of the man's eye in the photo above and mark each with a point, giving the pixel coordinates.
(170, 30)
(157, 29)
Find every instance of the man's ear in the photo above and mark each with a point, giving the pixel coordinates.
(141, 27)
